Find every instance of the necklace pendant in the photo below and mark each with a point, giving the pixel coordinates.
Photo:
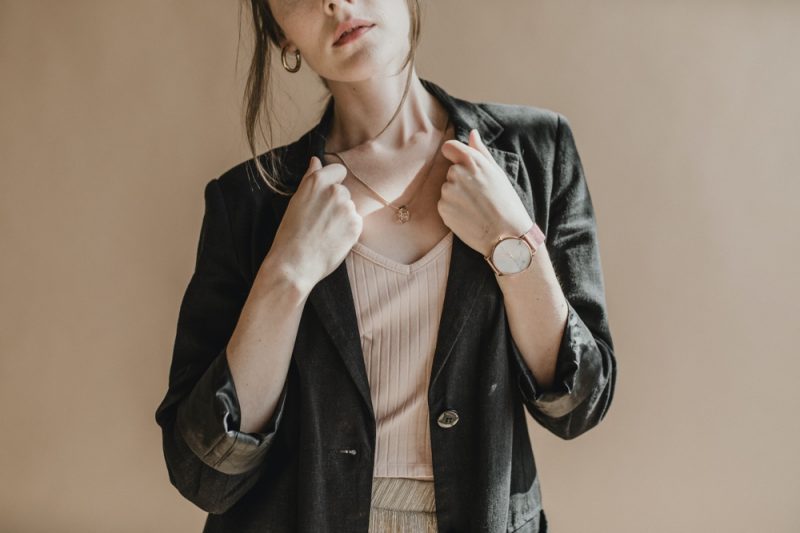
(403, 215)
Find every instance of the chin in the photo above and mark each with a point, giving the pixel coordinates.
(357, 69)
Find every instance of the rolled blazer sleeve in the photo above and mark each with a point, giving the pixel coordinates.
(585, 372)
(209, 460)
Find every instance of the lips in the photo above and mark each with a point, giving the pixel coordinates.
(349, 27)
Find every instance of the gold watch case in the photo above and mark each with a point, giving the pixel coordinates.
(513, 255)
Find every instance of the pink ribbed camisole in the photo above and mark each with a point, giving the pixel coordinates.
(398, 308)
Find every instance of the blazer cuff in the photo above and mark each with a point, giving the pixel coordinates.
(208, 420)
(578, 369)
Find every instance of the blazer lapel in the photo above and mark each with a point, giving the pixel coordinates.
(469, 276)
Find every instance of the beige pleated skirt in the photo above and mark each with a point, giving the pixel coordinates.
(402, 505)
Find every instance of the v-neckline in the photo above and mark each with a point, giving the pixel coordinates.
(403, 268)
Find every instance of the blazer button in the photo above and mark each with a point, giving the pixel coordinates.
(448, 418)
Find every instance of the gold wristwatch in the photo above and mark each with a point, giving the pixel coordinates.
(512, 255)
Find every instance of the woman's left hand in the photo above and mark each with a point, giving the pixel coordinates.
(478, 201)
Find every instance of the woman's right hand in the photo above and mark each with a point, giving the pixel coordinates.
(320, 225)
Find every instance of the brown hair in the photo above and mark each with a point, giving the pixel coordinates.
(258, 93)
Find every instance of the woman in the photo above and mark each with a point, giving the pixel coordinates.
(369, 320)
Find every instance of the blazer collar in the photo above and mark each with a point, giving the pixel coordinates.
(469, 276)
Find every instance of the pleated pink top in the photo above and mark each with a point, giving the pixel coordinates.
(398, 307)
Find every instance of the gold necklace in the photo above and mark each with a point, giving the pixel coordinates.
(402, 214)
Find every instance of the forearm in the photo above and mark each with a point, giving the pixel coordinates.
(260, 349)
(537, 314)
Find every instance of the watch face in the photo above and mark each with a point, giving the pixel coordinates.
(511, 255)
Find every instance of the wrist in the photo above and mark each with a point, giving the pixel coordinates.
(514, 253)
(513, 227)
(277, 273)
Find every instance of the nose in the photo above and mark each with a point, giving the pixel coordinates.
(331, 6)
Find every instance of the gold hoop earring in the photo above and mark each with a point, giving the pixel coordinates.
(297, 59)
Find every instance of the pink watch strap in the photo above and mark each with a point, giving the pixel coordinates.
(534, 236)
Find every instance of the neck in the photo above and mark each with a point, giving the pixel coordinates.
(363, 108)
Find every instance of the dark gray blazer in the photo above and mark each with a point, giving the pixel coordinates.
(311, 469)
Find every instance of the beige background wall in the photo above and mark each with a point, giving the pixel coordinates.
(113, 115)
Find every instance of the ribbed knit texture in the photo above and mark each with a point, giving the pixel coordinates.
(398, 308)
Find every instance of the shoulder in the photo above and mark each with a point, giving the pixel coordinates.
(537, 134)
(530, 130)
(527, 120)
(242, 179)
(243, 187)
